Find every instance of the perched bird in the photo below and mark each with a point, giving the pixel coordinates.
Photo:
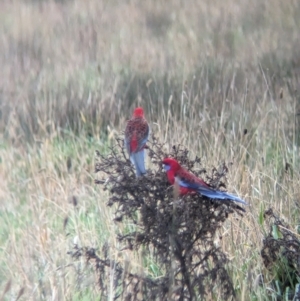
(136, 136)
(189, 183)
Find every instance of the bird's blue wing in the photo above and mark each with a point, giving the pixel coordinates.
(208, 192)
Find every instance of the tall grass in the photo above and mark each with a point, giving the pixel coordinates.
(220, 77)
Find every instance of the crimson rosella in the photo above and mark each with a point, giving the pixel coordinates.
(189, 183)
(136, 136)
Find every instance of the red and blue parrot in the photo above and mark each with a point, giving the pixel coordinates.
(189, 183)
(136, 136)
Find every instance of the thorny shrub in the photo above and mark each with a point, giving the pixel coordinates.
(178, 232)
(281, 257)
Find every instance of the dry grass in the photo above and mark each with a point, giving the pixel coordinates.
(205, 71)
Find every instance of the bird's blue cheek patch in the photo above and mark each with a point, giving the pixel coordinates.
(166, 167)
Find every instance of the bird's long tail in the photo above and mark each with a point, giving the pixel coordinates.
(138, 160)
(214, 194)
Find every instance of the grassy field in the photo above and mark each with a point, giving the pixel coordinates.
(219, 77)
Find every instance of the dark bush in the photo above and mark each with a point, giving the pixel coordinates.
(179, 231)
(281, 257)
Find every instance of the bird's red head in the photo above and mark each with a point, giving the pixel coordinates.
(138, 112)
(170, 163)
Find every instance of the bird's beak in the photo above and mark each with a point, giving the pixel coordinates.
(166, 167)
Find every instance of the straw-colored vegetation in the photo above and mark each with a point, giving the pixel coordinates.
(219, 77)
